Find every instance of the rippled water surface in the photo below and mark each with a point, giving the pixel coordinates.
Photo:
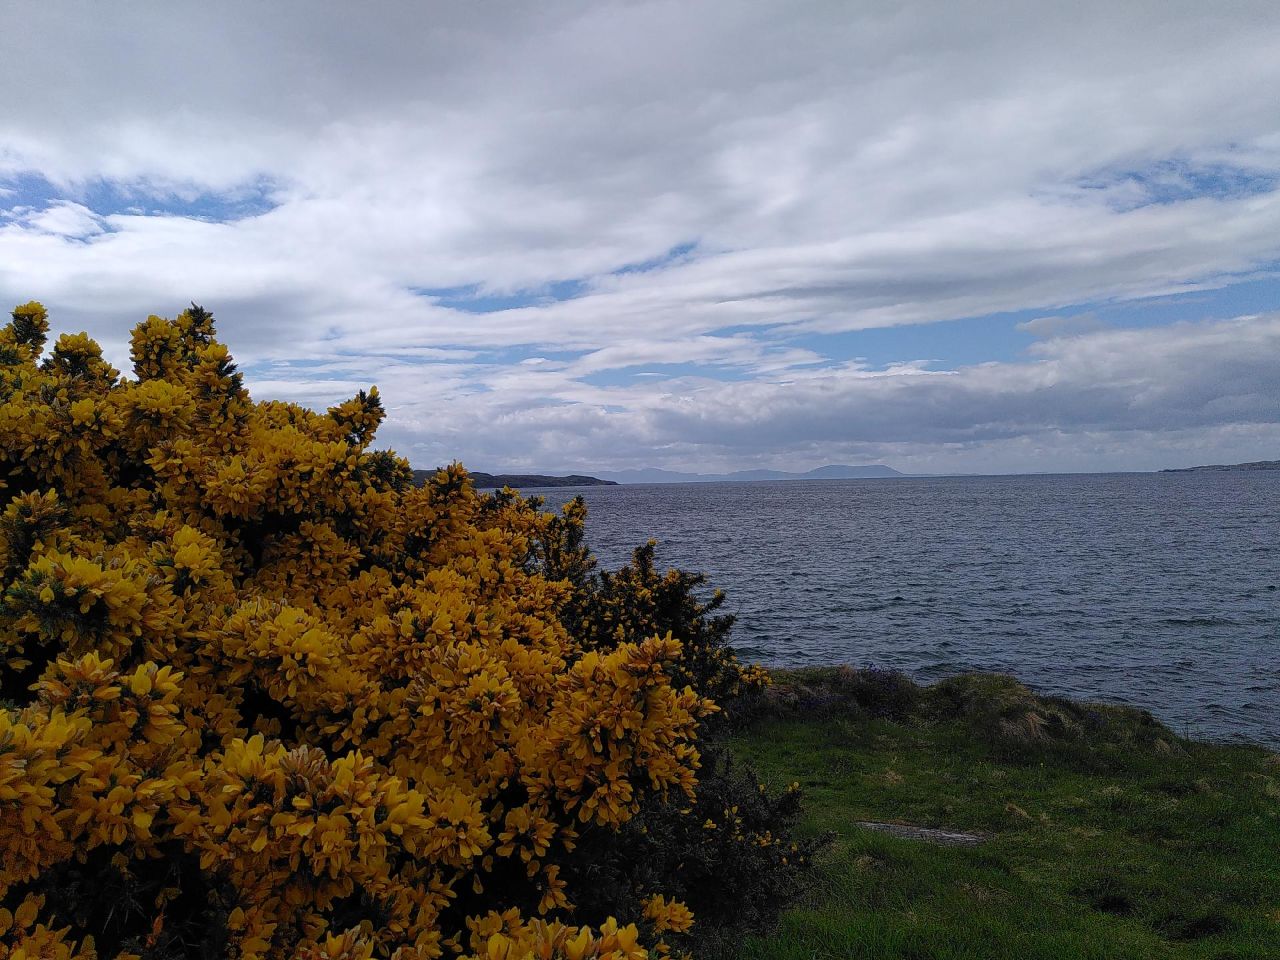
(1161, 590)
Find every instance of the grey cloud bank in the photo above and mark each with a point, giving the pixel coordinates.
(1093, 401)
(818, 169)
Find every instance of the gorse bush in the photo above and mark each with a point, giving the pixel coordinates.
(637, 602)
(264, 697)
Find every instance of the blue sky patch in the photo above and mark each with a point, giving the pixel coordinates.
(679, 252)
(1177, 180)
(108, 197)
(472, 298)
(963, 342)
(949, 344)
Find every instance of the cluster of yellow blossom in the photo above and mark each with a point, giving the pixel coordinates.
(507, 936)
(264, 694)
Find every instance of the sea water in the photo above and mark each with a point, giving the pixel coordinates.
(1157, 590)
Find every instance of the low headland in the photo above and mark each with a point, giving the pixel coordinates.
(1228, 467)
(522, 481)
(975, 819)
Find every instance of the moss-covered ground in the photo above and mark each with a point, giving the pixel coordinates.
(1106, 836)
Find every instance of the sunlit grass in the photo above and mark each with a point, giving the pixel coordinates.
(1105, 846)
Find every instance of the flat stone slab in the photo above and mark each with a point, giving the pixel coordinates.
(946, 838)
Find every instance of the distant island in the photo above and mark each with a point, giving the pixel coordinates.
(832, 471)
(1255, 465)
(520, 481)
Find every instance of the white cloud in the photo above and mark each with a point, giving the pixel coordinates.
(70, 221)
(839, 167)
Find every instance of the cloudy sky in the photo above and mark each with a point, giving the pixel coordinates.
(697, 235)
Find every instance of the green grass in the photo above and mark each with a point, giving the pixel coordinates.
(1108, 836)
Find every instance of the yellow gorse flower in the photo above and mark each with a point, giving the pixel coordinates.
(247, 651)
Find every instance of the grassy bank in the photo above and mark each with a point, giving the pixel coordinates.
(1102, 834)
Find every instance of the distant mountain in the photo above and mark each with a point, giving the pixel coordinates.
(520, 481)
(829, 472)
(652, 475)
(1255, 465)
